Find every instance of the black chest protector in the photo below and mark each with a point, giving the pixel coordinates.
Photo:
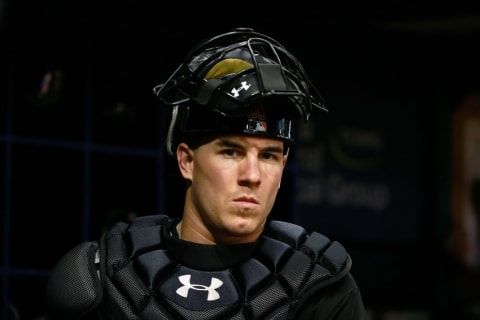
(148, 274)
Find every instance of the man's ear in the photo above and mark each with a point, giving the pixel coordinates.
(185, 160)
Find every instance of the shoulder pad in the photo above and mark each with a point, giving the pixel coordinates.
(330, 254)
(74, 289)
(287, 232)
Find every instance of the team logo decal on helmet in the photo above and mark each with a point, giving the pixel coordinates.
(257, 119)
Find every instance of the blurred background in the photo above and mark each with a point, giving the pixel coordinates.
(392, 171)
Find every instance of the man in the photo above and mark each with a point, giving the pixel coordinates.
(233, 105)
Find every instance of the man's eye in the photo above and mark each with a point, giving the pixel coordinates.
(229, 152)
(268, 156)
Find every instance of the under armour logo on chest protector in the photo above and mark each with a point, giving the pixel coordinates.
(200, 290)
(213, 294)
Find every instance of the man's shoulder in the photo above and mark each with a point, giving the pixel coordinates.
(314, 261)
(140, 222)
(322, 250)
(74, 288)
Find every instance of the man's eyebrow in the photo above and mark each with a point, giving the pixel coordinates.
(226, 142)
(274, 149)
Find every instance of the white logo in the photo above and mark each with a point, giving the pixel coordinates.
(212, 293)
(244, 86)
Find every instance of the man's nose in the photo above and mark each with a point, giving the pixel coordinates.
(250, 170)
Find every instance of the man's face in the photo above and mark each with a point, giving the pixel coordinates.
(234, 182)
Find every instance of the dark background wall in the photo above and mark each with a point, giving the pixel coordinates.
(89, 150)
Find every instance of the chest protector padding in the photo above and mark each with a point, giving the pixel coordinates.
(142, 281)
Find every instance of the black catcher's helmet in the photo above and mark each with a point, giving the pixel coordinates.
(241, 81)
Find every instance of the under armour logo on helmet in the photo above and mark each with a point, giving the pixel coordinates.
(212, 293)
(236, 92)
